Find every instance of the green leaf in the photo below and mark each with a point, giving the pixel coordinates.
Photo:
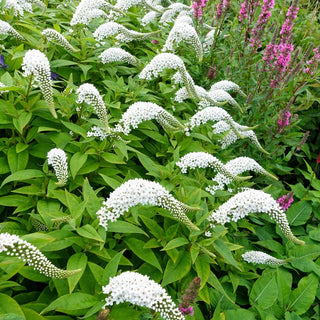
(284, 280)
(146, 254)
(10, 306)
(89, 232)
(124, 227)
(111, 268)
(175, 243)
(112, 158)
(299, 213)
(265, 291)
(215, 283)
(22, 120)
(92, 201)
(17, 161)
(124, 312)
(76, 163)
(203, 269)
(23, 175)
(31, 314)
(148, 164)
(13, 201)
(70, 303)
(302, 298)
(224, 251)
(75, 128)
(76, 261)
(176, 271)
(239, 314)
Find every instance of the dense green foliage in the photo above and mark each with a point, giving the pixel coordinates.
(61, 221)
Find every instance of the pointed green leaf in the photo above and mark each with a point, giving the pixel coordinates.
(89, 232)
(175, 243)
(10, 306)
(299, 213)
(23, 175)
(76, 163)
(224, 251)
(76, 261)
(124, 227)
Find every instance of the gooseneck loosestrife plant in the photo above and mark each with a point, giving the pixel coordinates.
(176, 174)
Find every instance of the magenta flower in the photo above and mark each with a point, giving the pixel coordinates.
(313, 62)
(243, 13)
(286, 200)
(284, 120)
(212, 73)
(187, 311)
(222, 7)
(189, 297)
(197, 8)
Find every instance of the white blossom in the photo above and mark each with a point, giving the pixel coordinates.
(143, 111)
(6, 29)
(252, 201)
(37, 64)
(58, 38)
(262, 258)
(227, 86)
(121, 33)
(20, 6)
(14, 246)
(218, 96)
(116, 55)
(88, 93)
(183, 31)
(144, 192)
(58, 159)
(149, 17)
(208, 41)
(98, 133)
(140, 290)
(172, 11)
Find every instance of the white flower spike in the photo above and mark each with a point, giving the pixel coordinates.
(37, 64)
(144, 192)
(14, 246)
(228, 86)
(6, 29)
(58, 159)
(117, 55)
(143, 111)
(140, 290)
(252, 201)
(172, 11)
(263, 258)
(57, 38)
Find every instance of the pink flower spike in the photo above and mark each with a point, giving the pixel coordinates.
(286, 200)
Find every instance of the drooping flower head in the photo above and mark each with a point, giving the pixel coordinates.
(14, 246)
(116, 55)
(227, 86)
(37, 64)
(143, 111)
(262, 258)
(144, 192)
(58, 38)
(140, 290)
(172, 11)
(252, 201)
(58, 159)
(88, 93)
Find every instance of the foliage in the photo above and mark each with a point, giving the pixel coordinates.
(58, 215)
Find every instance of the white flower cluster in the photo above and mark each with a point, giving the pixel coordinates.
(208, 41)
(117, 54)
(252, 201)
(37, 64)
(58, 159)
(20, 6)
(183, 31)
(172, 11)
(144, 192)
(88, 93)
(6, 29)
(58, 38)
(143, 111)
(121, 33)
(236, 167)
(227, 86)
(125, 5)
(262, 258)
(88, 10)
(14, 246)
(149, 17)
(140, 290)
(98, 133)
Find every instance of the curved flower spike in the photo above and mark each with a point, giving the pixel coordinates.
(193, 160)
(232, 136)
(88, 93)
(6, 29)
(149, 17)
(14, 246)
(37, 64)
(164, 61)
(57, 38)
(143, 111)
(252, 201)
(263, 258)
(120, 32)
(236, 167)
(228, 86)
(140, 290)
(212, 114)
(144, 192)
(87, 10)
(172, 11)
(116, 55)
(58, 159)
(182, 31)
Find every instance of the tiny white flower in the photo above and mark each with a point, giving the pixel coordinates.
(58, 159)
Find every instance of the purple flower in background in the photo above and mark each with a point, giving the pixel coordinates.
(284, 119)
(243, 13)
(155, 41)
(189, 297)
(286, 200)
(2, 63)
(197, 8)
(313, 62)
(54, 76)
(212, 73)
(222, 7)
(288, 24)
(187, 311)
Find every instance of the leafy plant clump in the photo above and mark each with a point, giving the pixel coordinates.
(159, 159)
